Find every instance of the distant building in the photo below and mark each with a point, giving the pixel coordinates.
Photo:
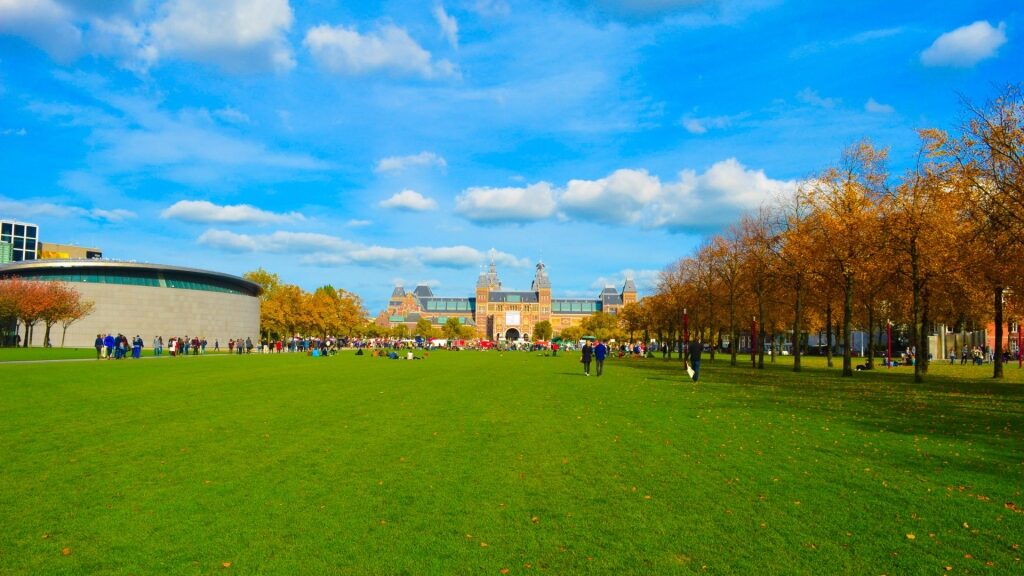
(51, 251)
(23, 239)
(501, 314)
(150, 300)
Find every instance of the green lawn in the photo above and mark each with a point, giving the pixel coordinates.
(490, 463)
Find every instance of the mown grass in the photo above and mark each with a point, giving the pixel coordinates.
(477, 463)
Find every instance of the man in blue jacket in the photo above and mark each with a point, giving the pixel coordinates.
(108, 343)
(600, 351)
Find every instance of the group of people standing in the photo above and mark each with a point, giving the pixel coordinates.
(117, 347)
(599, 351)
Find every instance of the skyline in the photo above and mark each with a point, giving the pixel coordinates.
(390, 143)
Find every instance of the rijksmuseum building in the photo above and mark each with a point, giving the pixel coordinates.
(502, 314)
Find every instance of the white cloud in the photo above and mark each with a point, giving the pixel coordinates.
(449, 26)
(716, 198)
(808, 96)
(646, 280)
(388, 49)
(507, 205)
(398, 163)
(965, 46)
(324, 250)
(115, 215)
(208, 212)
(697, 125)
(14, 132)
(236, 35)
(409, 200)
(32, 209)
(132, 134)
(618, 199)
(277, 242)
(491, 8)
(45, 23)
(875, 107)
(232, 115)
(354, 223)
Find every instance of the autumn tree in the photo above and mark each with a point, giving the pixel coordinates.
(424, 328)
(793, 249)
(924, 225)
(727, 254)
(452, 328)
(989, 152)
(845, 223)
(77, 310)
(602, 325)
(542, 330)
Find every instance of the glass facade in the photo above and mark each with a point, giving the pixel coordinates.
(131, 278)
(577, 306)
(22, 238)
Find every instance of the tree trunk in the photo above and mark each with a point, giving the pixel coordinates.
(760, 332)
(922, 348)
(797, 322)
(848, 326)
(997, 361)
(828, 333)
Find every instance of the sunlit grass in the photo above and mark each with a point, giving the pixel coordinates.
(474, 463)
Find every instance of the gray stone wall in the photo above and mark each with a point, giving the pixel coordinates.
(152, 311)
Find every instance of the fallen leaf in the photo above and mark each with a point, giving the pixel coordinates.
(503, 571)
(66, 551)
(968, 556)
(225, 565)
(965, 525)
(911, 537)
(483, 544)
(535, 519)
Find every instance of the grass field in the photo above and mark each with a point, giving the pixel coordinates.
(489, 463)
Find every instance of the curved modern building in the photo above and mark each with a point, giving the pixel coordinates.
(149, 300)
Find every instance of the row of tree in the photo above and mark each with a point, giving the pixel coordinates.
(856, 246)
(26, 303)
(287, 310)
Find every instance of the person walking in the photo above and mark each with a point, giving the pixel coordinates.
(588, 353)
(693, 351)
(99, 346)
(600, 351)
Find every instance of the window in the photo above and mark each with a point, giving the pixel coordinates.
(19, 229)
(31, 231)
(6, 230)
(513, 298)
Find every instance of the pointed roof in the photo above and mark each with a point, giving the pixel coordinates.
(540, 278)
(398, 292)
(629, 286)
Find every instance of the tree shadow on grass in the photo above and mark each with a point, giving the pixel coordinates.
(986, 413)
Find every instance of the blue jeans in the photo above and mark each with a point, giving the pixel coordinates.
(696, 369)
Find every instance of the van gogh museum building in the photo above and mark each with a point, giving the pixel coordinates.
(501, 314)
(151, 299)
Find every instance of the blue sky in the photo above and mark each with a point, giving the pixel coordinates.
(364, 144)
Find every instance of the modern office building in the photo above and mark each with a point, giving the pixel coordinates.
(22, 237)
(501, 314)
(150, 300)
